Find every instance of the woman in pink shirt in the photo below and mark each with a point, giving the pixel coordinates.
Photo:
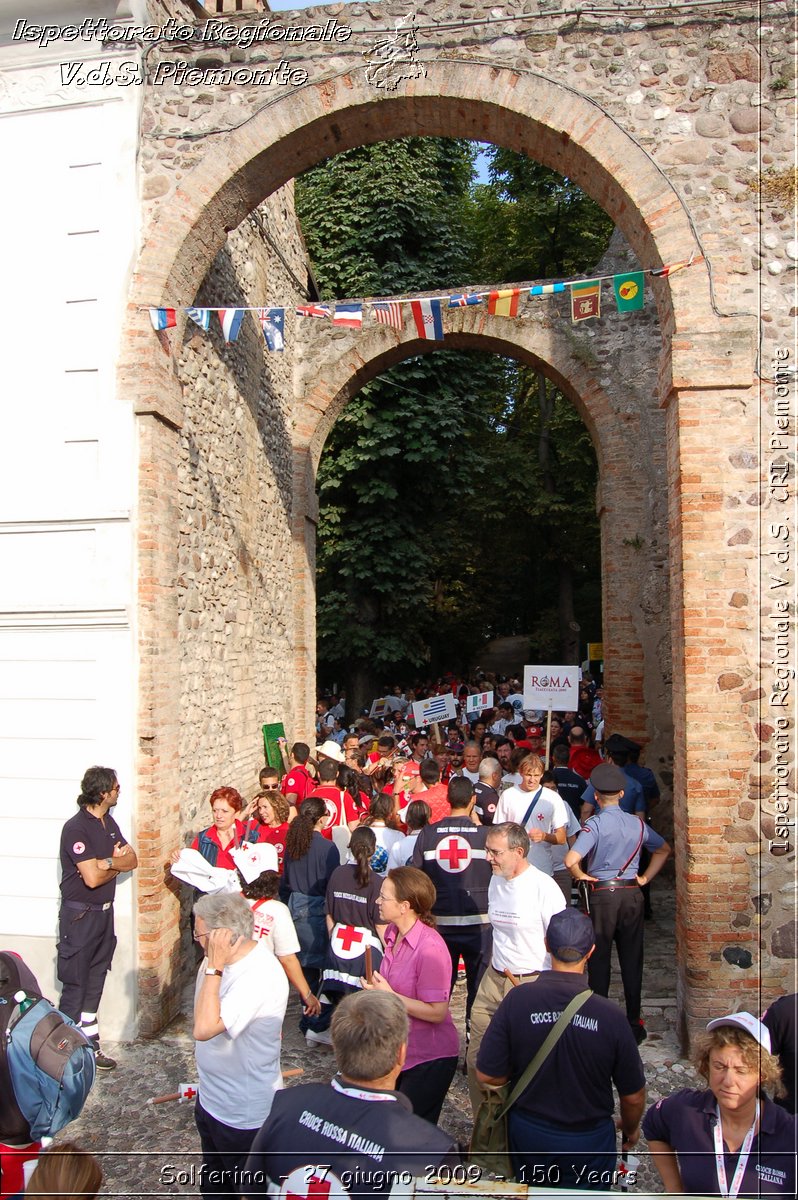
(417, 967)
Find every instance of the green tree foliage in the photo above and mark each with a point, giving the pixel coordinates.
(457, 490)
(530, 223)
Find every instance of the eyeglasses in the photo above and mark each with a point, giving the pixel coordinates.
(270, 787)
(200, 937)
(493, 853)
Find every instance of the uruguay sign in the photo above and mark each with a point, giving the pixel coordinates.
(436, 708)
(551, 687)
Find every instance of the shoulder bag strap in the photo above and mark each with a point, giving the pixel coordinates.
(531, 808)
(618, 874)
(553, 1036)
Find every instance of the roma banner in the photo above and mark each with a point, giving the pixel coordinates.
(551, 687)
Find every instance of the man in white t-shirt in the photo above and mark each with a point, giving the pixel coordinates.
(239, 1006)
(540, 810)
(521, 902)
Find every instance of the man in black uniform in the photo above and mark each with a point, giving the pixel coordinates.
(486, 792)
(569, 785)
(564, 1136)
(452, 853)
(93, 854)
(613, 839)
(356, 1133)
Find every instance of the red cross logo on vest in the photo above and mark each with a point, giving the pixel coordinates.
(453, 854)
(349, 941)
(297, 1186)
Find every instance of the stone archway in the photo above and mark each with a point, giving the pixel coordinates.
(706, 362)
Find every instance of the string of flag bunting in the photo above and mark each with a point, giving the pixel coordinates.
(427, 314)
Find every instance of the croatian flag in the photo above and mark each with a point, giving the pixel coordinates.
(201, 317)
(163, 318)
(546, 289)
(463, 300)
(272, 322)
(388, 312)
(313, 310)
(349, 316)
(230, 320)
(428, 319)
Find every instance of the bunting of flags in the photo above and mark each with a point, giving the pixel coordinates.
(427, 313)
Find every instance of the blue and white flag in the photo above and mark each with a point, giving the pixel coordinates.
(201, 317)
(546, 289)
(463, 299)
(436, 708)
(230, 320)
(272, 322)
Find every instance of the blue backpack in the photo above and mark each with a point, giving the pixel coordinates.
(47, 1065)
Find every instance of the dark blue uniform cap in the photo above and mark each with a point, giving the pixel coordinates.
(570, 935)
(608, 778)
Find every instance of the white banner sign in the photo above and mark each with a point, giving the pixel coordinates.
(555, 687)
(436, 708)
(478, 702)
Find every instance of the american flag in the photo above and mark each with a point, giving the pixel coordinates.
(388, 312)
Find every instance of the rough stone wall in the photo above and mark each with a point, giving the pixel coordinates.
(235, 485)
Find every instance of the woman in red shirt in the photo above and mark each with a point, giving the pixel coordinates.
(269, 822)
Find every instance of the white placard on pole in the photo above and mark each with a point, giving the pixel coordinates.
(435, 708)
(478, 702)
(551, 687)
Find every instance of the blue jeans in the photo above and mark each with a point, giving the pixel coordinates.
(552, 1156)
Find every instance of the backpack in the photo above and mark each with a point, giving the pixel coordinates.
(47, 1065)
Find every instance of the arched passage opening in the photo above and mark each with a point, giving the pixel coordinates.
(701, 361)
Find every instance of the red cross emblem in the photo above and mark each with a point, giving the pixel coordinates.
(297, 1186)
(332, 812)
(349, 941)
(453, 854)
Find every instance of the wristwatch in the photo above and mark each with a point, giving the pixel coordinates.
(213, 971)
(109, 864)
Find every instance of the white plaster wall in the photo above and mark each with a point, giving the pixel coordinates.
(69, 229)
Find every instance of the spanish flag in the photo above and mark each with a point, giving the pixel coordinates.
(504, 303)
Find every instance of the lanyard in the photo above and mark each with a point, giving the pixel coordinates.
(360, 1094)
(742, 1159)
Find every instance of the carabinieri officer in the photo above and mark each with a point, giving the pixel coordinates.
(613, 840)
(93, 854)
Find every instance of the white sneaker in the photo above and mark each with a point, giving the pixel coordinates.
(318, 1039)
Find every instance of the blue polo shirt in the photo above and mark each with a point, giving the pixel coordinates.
(685, 1121)
(612, 836)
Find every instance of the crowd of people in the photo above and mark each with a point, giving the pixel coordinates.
(393, 860)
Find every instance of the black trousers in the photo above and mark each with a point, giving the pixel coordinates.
(86, 947)
(475, 944)
(617, 917)
(225, 1151)
(426, 1086)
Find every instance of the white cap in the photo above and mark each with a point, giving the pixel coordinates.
(752, 1025)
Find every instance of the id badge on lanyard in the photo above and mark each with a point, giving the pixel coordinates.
(742, 1159)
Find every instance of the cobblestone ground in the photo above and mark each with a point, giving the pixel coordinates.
(143, 1147)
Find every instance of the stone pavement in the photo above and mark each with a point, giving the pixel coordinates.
(146, 1149)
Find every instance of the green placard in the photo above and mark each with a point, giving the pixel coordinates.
(270, 735)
